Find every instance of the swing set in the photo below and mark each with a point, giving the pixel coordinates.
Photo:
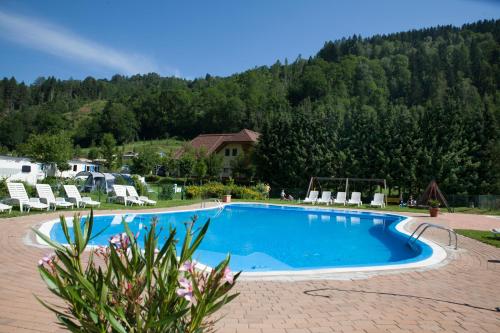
(345, 184)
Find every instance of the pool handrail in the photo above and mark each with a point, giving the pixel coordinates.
(425, 225)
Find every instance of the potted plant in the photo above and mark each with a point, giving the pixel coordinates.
(434, 207)
(227, 197)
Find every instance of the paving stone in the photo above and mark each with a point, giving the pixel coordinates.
(456, 296)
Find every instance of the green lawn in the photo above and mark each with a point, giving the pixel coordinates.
(482, 236)
(108, 206)
(178, 202)
(164, 145)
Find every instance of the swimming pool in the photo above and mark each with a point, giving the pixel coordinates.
(275, 238)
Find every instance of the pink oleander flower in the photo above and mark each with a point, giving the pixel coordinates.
(120, 240)
(228, 276)
(188, 266)
(116, 239)
(186, 290)
(48, 259)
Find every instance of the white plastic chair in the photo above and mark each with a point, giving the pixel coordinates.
(122, 197)
(75, 197)
(19, 197)
(4, 208)
(341, 198)
(313, 196)
(132, 192)
(326, 198)
(47, 197)
(378, 200)
(355, 199)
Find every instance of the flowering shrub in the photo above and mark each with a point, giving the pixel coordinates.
(123, 288)
(217, 190)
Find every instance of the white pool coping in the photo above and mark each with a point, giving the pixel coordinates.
(438, 255)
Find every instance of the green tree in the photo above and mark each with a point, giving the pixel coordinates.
(215, 163)
(120, 121)
(145, 163)
(109, 151)
(93, 153)
(50, 149)
(200, 169)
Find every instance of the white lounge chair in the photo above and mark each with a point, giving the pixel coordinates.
(4, 208)
(47, 197)
(313, 196)
(122, 197)
(355, 199)
(496, 232)
(75, 197)
(340, 199)
(326, 198)
(19, 197)
(132, 192)
(378, 200)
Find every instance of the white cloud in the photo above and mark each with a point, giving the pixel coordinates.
(56, 41)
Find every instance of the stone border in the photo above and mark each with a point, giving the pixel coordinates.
(438, 255)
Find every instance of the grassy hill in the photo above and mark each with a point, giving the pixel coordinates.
(164, 145)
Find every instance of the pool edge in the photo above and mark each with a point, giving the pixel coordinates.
(438, 255)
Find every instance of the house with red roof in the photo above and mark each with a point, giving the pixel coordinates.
(228, 145)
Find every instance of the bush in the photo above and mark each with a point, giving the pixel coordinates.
(131, 289)
(193, 192)
(119, 180)
(4, 192)
(30, 189)
(152, 178)
(139, 185)
(217, 190)
(166, 192)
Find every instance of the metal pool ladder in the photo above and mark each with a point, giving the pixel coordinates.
(217, 201)
(422, 227)
(220, 206)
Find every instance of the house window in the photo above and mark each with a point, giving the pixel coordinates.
(75, 167)
(87, 168)
(235, 151)
(26, 168)
(227, 152)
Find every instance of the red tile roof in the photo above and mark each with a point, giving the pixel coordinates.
(211, 142)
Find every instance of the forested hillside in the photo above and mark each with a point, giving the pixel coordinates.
(408, 107)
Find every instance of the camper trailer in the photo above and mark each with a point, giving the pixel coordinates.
(76, 166)
(20, 169)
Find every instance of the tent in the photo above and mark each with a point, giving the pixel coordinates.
(102, 181)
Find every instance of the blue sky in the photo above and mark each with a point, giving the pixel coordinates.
(191, 38)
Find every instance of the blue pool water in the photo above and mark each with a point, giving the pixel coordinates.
(269, 238)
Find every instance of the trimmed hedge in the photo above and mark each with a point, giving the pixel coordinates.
(217, 190)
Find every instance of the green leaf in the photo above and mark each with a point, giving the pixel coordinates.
(115, 323)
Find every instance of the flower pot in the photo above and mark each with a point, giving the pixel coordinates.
(434, 211)
(226, 198)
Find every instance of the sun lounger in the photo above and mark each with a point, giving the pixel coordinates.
(122, 197)
(340, 199)
(378, 200)
(496, 232)
(326, 198)
(132, 192)
(313, 196)
(355, 199)
(47, 197)
(19, 197)
(4, 208)
(74, 196)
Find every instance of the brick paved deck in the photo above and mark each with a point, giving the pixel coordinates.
(459, 296)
